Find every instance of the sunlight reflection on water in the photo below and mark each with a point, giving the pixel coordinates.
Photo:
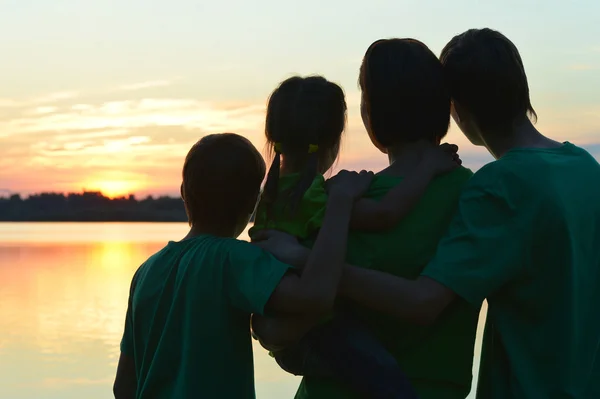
(63, 298)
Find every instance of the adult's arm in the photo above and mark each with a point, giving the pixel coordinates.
(314, 290)
(485, 248)
(278, 332)
(420, 301)
(257, 282)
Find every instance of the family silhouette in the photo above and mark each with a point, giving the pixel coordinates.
(370, 285)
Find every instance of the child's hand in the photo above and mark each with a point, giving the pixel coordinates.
(442, 159)
(350, 184)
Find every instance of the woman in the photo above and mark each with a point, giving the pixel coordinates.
(406, 111)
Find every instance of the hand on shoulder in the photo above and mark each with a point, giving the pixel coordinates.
(442, 159)
(348, 184)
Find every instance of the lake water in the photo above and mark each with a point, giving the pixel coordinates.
(63, 296)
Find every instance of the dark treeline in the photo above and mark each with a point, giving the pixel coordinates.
(90, 207)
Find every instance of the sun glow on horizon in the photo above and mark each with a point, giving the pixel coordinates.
(113, 188)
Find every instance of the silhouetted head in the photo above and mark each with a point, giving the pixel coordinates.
(404, 95)
(222, 174)
(305, 121)
(487, 82)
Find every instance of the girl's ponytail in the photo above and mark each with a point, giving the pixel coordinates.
(306, 178)
(272, 183)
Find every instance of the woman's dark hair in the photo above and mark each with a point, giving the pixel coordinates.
(404, 92)
(485, 74)
(305, 121)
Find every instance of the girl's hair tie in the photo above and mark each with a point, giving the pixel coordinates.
(312, 148)
(278, 148)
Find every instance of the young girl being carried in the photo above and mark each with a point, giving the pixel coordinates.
(305, 121)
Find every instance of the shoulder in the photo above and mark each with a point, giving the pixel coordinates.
(451, 184)
(243, 252)
(502, 178)
(316, 190)
(316, 194)
(231, 254)
(318, 185)
(458, 177)
(154, 260)
(208, 248)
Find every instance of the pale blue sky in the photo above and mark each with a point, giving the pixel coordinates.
(233, 53)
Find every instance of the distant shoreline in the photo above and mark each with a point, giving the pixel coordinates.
(92, 221)
(90, 207)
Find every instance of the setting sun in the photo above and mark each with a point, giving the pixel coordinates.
(113, 188)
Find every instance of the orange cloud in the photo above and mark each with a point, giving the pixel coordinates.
(72, 141)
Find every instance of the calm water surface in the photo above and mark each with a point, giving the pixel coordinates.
(63, 296)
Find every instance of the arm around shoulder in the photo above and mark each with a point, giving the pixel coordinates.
(419, 301)
(373, 215)
(484, 248)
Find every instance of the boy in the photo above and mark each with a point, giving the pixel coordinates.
(526, 238)
(187, 330)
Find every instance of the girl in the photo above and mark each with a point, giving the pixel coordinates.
(304, 125)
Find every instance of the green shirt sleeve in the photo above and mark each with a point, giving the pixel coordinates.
(313, 208)
(486, 244)
(251, 276)
(302, 222)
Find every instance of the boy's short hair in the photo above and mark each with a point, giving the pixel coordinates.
(404, 92)
(486, 76)
(222, 174)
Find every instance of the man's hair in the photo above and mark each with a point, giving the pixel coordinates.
(222, 174)
(404, 92)
(486, 76)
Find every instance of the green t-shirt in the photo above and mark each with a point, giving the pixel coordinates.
(302, 222)
(188, 320)
(527, 238)
(438, 360)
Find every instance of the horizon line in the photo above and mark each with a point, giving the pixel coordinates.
(6, 194)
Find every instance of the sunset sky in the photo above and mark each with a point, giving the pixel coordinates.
(110, 94)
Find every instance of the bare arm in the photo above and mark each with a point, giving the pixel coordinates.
(314, 291)
(125, 385)
(275, 333)
(371, 215)
(420, 301)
